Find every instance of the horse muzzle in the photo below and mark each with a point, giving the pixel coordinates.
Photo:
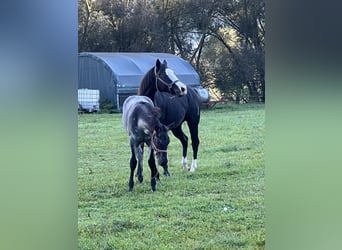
(179, 88)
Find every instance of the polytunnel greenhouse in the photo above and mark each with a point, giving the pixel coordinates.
(115, 76)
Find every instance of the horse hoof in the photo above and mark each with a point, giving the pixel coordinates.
(166, 174)
(130, 186)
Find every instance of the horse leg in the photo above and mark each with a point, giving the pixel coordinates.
(154, 170)
(177, 132)
(137, 157)
(195, 143)
(166, 171)
(133, 164)
(140, 166)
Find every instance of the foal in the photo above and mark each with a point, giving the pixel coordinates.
(141, 121)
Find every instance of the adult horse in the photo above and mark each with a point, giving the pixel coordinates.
(141, 121)
(176, 107)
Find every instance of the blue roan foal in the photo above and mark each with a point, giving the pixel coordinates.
(141, 121)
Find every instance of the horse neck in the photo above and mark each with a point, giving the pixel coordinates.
(149, 115)
(148, 86)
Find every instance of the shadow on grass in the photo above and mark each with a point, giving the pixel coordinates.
(234, 107)
(109, 227)
(225, 149)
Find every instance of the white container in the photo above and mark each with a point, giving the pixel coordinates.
(89, 99)
(203, 93)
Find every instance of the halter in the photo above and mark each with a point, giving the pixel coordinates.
(154, 145)
(162, 81)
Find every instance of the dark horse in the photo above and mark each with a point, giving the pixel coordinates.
(176, 107)
(141, 121)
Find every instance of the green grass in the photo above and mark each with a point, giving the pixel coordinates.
(187, 210)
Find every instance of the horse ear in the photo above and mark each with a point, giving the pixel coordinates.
(164, 62)
(158, 63)
(156, 112)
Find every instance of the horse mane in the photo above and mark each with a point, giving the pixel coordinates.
(145, 88)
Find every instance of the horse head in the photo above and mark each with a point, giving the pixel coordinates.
(160, 140)
(167, 81)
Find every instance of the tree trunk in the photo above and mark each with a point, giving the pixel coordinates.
(85, 30)
(253, 93)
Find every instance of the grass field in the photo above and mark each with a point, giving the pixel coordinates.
(219, 206)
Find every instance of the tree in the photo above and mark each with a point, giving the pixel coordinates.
(243, 66)
(223, 40)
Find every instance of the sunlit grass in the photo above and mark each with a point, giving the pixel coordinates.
(220, 206)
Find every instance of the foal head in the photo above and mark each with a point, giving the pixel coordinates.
(167, 81)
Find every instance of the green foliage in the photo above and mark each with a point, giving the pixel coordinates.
(223, 40)
(219, 206)
(107, 106)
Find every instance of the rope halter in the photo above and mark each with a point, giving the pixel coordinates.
(163, 81)
(157, 150)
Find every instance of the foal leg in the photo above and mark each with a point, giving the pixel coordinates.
(177, 132)
(133, 164)
(154, 170)
(137, 157)
(140, 166)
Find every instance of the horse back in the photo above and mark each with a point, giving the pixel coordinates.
(135, 108)
(175, 110)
